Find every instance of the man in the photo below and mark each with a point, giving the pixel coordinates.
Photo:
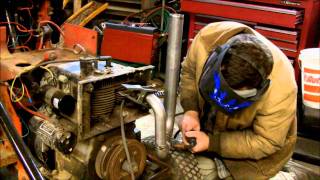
(239, 96)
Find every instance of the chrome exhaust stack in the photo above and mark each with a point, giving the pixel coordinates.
(165, 114)
(172, 69)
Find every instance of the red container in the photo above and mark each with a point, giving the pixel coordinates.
(128, 45)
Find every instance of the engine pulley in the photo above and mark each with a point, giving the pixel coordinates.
(111, 162)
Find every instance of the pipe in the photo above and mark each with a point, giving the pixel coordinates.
(21, 149)
(172, 69)
(160, 128)
(11, 31)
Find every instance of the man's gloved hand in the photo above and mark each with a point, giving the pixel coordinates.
(202, 140)
(189, 122)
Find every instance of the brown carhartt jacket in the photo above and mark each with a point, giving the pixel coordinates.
(256, 142)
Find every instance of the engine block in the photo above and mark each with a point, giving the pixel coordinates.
(97, 95)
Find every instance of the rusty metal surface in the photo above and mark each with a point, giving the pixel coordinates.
(75, 34)
(7, 155)
(13, 64)
(3, 43)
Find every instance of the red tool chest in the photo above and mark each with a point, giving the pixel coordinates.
(289, 24)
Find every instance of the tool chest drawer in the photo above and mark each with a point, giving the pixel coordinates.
(273, 33)
(287, 40)
(286, 3)
(286, 17)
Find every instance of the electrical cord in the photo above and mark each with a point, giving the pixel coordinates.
(150, 17)
(124, 141)
(22, 87)
(24, 29)
(23, 47)
(47, 69)
(18, 37)
(12, 93)
(21, 28)
(42, 116)
(27, 93)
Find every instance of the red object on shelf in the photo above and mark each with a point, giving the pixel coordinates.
(129, 46)
(289, 24)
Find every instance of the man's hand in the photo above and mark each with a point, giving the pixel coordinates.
(201, 138)
(189, 122)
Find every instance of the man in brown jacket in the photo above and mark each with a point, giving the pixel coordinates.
(240, 106)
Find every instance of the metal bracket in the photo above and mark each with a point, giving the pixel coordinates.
(143, 92)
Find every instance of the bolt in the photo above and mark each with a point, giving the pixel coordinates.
(89, 88)
(103, 148)
(69, 136)
(63, 78)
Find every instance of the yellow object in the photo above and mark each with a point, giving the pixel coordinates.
(65, 2)
(47, 69)
(11, 91)
(15, 99)
(87, 13)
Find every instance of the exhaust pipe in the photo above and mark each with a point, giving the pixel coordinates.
(164, 122)
(172, 69)
(160, 130)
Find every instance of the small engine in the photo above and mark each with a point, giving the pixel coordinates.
(83, 100)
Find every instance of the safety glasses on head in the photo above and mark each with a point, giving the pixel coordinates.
(215, 90)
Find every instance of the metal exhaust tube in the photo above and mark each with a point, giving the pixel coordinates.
(160, 130)
(172, 69)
